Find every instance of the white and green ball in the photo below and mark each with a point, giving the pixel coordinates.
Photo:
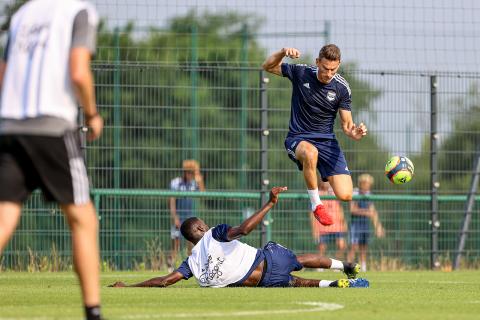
(399, 170)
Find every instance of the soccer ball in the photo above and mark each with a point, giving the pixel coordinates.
(399, 170)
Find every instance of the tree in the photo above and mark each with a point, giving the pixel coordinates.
(9, 10)
(459, 151)
(161, 107)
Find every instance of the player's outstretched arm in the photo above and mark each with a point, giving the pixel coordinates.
(350, 128)
(159, 282)
(273, 63)
(248, 225)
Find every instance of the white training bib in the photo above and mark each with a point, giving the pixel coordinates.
(218, 264)
(37, 78)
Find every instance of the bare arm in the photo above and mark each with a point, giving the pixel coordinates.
(251, 223)
(199, 180)
(82, 80)
(3, 67)
(3, 63)
(379, 230)
(349, 127)
(273, 63)
(159, 282)
(357, 211)
(374, 215)
(342, 218)
(173, 211)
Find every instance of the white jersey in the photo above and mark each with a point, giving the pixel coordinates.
(218, 264)
(37, 79)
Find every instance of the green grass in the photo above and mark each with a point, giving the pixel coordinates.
(392, 295)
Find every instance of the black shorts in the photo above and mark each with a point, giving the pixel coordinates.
(53, 164)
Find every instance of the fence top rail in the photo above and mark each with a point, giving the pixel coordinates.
(252, 66)
(257, 195)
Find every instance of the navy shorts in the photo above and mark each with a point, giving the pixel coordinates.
(359, 233)
(280, 263)
(331, 237)
(331, 160)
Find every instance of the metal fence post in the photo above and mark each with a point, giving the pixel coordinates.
(266, 234)
(468, 211)
(243, 113)
(194, 121)
(327, 31)
(116, 143)
(434, 263)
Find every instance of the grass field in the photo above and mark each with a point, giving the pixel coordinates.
(392, 295)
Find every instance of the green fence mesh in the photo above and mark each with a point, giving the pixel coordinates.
(179, 80)
(135, 228)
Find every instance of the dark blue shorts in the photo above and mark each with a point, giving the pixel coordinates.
(359, 233)
(331, 160)
(331, 237)
(280, 263)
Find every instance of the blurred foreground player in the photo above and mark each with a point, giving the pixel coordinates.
(45, 67)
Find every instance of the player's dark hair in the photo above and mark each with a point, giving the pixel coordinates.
(187, 227)
(330, 52)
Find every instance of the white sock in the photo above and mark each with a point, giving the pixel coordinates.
(314, 198)
(336, 265)
(324, 283)
(364, 267)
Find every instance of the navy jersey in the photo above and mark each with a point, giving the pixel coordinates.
(314, 104)
(184, 206)
(362, 221)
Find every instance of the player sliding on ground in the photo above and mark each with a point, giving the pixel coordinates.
(218, 259)
(318, 94)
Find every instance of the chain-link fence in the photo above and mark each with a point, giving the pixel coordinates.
(149, 132)
(135, 230)
(192, 88)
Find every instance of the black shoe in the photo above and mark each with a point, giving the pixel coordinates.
(351, 269)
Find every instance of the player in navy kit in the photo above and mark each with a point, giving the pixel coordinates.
(318, 94)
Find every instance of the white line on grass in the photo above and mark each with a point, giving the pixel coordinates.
(317, 306)
(429, 281)
(34, 318)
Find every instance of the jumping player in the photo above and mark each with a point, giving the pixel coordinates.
(218, 259)
(318, 94)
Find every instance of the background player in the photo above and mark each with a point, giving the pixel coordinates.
(182, 208)
(363, 211)
(334, 233)
(47, 59)
(218, 259)
(318, 94)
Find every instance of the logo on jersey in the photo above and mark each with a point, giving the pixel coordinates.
(306, 85)
(211, 270)
(331, 95)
